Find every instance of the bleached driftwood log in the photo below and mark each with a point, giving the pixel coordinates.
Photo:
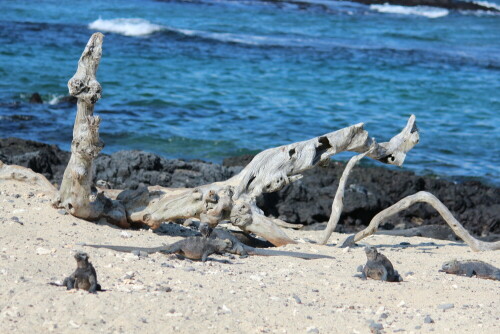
(76, 193)
(269, 171)
(425, 197)
(338, 200)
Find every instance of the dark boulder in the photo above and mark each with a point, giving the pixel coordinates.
(448, 4)
(36, 98)
(130, 169)
(45, 159)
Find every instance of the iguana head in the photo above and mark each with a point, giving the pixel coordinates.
(450, 266)
(81, 258)
(205, 230)
(371, 253)
(228, 243)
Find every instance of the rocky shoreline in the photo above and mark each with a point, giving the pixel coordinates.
(448, 4)
(307, 201)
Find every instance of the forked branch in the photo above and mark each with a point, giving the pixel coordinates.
(425, 197)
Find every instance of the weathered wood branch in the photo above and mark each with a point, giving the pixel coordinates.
(338, 201)
(274, 168)
(75, 194)
(269, 171)
(425, 197)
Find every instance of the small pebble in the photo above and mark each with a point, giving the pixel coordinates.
(16, 220)
(164, 289)
(226, 309)
(125, 235)
(445, 307)
(43, 251)
(375, 327)
(62, 212)
(312, 330)
(297, 299)
(428, 319)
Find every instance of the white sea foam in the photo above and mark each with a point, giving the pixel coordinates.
(54, 99)
(488, 4)
(430, 12)
(229, 37)
(127, 27)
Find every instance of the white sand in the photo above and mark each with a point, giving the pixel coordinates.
(252, 295)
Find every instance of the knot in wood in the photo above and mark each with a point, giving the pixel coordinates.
(87, 91)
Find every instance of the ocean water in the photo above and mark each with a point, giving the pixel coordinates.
(212, 79)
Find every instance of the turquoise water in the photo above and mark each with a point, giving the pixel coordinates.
(211, 79)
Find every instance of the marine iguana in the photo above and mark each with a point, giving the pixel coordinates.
(442, 232)
(243, 250)
(194, 248)
(470, 268)
(84, 277)
(379, 267)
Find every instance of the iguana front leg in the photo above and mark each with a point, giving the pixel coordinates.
(69, 282)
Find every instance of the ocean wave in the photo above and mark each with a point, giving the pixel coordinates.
(430, 12)
(126, 27)
(141, 27)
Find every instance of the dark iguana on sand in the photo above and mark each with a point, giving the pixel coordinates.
(84, 277)
(379, 267)
(243, 250)
(470, 268)
(194, 248)
(442, 232)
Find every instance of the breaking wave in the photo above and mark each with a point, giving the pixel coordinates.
(126, 27)
(430, 12)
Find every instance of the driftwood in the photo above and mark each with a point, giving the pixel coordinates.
(76, 193)
(422, 196)
(233, 200)
(338, 200)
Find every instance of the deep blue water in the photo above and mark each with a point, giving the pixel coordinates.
(211, 79)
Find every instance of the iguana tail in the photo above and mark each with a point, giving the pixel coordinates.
(130, 249)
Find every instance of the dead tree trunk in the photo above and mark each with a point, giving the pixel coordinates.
(75, 194)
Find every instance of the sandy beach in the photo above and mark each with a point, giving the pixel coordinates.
(257, 294)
